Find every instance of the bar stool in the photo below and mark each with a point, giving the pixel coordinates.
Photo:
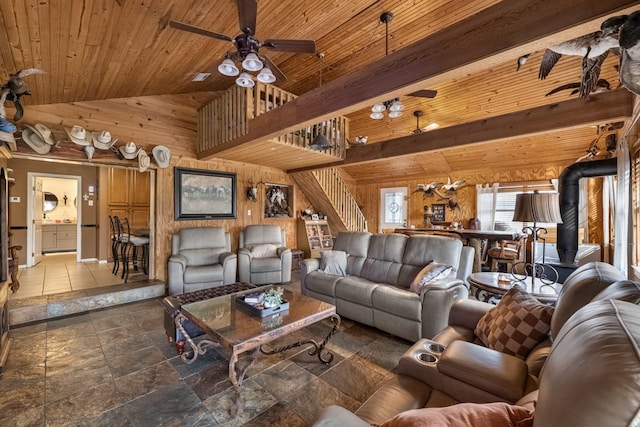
(134, 249)
(115, 245)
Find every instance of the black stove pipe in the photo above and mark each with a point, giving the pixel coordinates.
(569, 191)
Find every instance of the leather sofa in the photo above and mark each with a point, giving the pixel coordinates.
(201, 258)
(591, 376)
(379, 269)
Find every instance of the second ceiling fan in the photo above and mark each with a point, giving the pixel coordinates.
(247, 46)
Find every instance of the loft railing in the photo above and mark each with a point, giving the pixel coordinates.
(229, 116)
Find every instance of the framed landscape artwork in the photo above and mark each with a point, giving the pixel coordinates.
(204, 194)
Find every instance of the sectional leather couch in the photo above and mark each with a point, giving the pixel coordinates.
(375, 287)
(588, 376)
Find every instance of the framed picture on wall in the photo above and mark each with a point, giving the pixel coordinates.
(278, 201)
(438, 211)
(204, 194)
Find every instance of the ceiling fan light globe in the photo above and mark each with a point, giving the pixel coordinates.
(376, 115)
(395, 114)
(245, 80)
(431, 126)
(228, 68)
(396, 106)
(252, 63)
(378, 108)
(266, 76)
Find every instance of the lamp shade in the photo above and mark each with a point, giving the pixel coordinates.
(537, 207)
(376, 115)
(252, 63)
(396, 105)
(266, 76)
(245, 80)
(378, 108)
(228, 68)
(395, 114)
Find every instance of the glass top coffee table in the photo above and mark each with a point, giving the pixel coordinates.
(236, 330)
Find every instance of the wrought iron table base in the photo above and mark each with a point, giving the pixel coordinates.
(237, 378)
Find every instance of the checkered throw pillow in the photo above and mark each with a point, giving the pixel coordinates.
(516, 324)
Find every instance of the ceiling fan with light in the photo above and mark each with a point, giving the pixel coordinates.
(248, 47)
(418, 130)
(394, 106)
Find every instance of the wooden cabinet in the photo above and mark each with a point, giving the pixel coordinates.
(129, 196)
(59, 237)
(314, 237)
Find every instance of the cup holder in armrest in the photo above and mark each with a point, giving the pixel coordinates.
(427, 358)
(434, 347)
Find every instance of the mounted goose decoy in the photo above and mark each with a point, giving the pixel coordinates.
(522, 60)
(601, 86)
(593, 48)
(629, 69)
(451, 187)
(428, 189)
(17, 87)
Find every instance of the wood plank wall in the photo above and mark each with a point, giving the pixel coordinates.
(166, 225)
(368, 195)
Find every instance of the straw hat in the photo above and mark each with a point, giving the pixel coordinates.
(45, 133)
(32, 137)
(103, 140)
(78, 135)
(144, 161)
(162, 156)
(129, 150)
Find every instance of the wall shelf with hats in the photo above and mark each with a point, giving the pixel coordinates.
(78, 143)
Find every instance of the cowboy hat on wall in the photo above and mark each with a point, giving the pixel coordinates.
(39, 138)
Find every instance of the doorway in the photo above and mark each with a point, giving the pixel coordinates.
(393, 208)
(52, 216)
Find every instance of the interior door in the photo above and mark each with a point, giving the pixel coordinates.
(38, 215)
(393, 208)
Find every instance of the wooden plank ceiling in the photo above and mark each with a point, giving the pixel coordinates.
(96, 50)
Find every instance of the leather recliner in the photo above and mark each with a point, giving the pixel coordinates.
(201, 258)
(579, 289)
(263, 257)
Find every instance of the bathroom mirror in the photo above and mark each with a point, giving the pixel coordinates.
(50, 201)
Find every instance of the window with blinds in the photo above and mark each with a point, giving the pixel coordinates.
(506, 202)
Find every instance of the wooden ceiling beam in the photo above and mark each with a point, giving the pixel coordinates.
(497, 34)
(597, 109)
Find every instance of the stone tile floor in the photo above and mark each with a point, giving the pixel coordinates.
(114, 367)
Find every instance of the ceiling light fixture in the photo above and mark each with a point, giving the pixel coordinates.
(251, 62)
(393, 106)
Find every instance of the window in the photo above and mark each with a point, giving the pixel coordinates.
(505, 202)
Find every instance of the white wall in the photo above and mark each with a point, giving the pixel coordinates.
(61, 187)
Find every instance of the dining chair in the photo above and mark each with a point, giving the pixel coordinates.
(508, 252)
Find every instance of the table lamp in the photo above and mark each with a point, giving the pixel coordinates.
(537, 208)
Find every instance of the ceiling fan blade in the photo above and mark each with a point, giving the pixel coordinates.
(247, 12)
(425, 93)
(283, 45)
(274, 68)
(197, 30)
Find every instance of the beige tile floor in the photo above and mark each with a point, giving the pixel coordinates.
(60, 272)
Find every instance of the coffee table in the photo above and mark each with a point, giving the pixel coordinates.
(490, 287)
(235, 330)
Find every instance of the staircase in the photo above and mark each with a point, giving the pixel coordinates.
(329, 194)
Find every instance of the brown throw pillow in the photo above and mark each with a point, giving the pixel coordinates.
(498, 414)
(516, 324)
